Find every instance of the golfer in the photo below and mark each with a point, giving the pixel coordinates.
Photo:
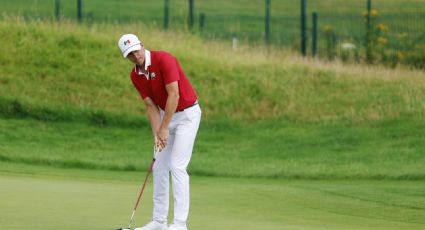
(174, 114)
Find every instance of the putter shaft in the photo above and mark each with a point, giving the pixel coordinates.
(141, 192)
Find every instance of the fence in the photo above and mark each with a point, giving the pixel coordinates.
(395, 33)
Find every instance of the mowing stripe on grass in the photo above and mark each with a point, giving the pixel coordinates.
(49, 199)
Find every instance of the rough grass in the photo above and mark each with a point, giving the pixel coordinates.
(241, 18)
(69, 66)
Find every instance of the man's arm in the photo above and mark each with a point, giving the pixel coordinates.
(153, 116)
(170, 108)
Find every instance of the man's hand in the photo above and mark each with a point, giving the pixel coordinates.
(161, 138)
(170, 107)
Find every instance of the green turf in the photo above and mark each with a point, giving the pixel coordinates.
(272, 149)
(43, 198)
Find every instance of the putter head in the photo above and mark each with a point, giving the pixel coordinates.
(123, 229)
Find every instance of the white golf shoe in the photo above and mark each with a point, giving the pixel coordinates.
(153, 225)
(177, 227)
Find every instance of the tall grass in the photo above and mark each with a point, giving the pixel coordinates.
(241, 18)
(66, 66)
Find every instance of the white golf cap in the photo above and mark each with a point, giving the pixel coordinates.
(129, 43)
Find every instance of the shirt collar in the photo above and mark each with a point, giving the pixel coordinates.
(147, 59)
(148, 63)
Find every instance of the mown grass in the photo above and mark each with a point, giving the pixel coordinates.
(105, 200)
(272, 149)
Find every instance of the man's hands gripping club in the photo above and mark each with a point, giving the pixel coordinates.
(161, 139)
(160, 128)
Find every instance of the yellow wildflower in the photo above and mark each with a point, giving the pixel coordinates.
(328, 28)
(402, 35)
(373, 13)
(382, 27)
(400, 55)
(382, 40)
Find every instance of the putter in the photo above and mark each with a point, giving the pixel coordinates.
(141, 191)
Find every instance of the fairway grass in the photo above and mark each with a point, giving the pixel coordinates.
(275, 149)
(45, 198)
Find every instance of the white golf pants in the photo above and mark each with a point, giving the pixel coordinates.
(174, 159)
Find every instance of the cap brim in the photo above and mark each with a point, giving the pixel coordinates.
(131, 49)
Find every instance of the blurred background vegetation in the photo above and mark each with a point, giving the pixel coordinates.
(389, 32)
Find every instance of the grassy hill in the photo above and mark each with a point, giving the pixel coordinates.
(66, 66)
(66, 101)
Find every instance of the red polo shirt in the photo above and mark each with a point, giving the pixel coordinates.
(163, 70)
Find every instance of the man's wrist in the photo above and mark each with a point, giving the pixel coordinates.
(161, 128)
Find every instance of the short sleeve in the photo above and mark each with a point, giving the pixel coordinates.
(169, 68)
(143, 90)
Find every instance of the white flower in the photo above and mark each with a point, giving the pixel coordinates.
(348, 46)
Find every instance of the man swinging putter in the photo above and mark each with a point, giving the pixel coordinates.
(174, 115)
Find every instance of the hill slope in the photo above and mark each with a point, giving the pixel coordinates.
(267, 113)
(68, 66)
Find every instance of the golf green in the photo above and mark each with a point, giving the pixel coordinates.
(34, 197)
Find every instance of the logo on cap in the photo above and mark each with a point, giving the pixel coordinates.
(127, 42)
